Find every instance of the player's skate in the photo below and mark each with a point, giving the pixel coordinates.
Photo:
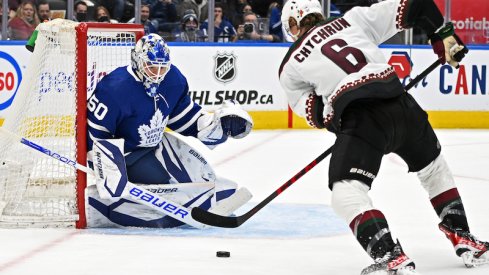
(394, 262)
(472, 251)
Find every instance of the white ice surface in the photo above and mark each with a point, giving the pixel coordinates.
(296, 234)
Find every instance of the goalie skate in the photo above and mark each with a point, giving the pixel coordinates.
(394, 262)
(472, 251)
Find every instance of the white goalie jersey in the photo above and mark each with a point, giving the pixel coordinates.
(340, 55)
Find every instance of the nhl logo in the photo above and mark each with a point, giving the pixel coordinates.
(225, 67)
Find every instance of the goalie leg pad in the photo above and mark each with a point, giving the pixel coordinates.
(117, 212)
(146, 169)
(183, 162)
(110, 167)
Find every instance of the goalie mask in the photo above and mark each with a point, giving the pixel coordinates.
(297, 10)
(150, 60)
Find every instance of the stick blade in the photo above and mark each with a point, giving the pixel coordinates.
(212, 219)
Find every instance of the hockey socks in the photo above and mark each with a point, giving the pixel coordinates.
(372, 232)
(448, 206)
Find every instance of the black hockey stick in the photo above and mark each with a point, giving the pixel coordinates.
(232, 222)
(422, 75)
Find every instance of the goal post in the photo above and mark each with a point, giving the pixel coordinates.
(49, 108)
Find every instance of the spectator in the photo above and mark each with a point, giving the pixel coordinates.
(43, 11)
(116, 7)
(13, 5)
(200, 8)
(189, 30)
(261, 7)
(334, 10)
(103, 15)
(275, 24)
(343, 6)
(249, 30)
(346, 5)
(148, 24)
(165, 13)
(81, 9)
(24, 23)
(238, 16)
(247, 8)
(233, 9)
(223, 29)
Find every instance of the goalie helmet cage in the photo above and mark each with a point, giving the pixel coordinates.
(69, 59)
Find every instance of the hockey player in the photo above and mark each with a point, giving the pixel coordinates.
(135, 103)
(335, 76)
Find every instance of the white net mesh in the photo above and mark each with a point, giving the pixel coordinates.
(36, 190)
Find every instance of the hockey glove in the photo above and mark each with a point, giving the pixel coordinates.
(448, 46)
(233, 126)
(235, 121)
(227, 121)
(314, 111)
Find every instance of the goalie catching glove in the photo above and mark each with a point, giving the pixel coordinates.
(230, 120)
(448, 46)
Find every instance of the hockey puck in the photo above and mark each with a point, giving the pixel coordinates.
(223, 254)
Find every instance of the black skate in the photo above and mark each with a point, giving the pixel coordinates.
(394, 262)
(472, 251)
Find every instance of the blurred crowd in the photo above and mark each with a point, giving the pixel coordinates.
(175, 20)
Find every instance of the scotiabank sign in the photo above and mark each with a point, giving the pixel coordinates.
(471, 19)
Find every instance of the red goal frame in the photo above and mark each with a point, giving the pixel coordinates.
(81, 118)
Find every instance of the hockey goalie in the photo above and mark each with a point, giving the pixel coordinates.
(127, 116)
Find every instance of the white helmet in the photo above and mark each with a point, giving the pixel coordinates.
(151, 59)
(298, 9)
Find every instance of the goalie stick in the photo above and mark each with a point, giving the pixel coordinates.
(131, 191)
(232, 222)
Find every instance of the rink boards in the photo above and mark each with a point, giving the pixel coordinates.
(248, 73)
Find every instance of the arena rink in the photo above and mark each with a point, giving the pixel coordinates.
(298, 233)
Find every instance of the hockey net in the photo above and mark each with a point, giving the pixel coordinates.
(50, 109)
